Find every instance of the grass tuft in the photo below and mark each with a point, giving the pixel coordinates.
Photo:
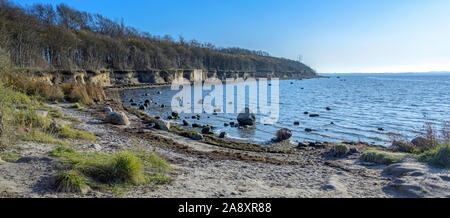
(380, 157)
(70, 181)
(37, 135)
(70, 133)
(104, 170)
(126, 168)
(438, 156)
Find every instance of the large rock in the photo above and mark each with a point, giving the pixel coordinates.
(247, 118)
(197, 136)
(283, 134)
(117, 118)
(206, 130)
(223, 135)
(162, 125)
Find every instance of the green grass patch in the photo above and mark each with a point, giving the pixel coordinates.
(36, 135)
(438, 156)
(57, 114)
(68, 132)
(381, 157)
(9, 156)
(115, 171)
(77, 106)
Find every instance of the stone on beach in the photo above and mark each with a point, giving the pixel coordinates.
(117, 118)
(162, 125)
(223, 135)
(108, 109)
(197, 136)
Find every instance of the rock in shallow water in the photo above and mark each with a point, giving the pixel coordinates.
(206, 130)
(223, 135)
(283, 134)
(247, 118)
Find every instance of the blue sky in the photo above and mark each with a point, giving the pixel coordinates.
(331, 35)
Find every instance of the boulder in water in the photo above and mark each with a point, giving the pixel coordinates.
(247, 118)
(206, 130)
(283, 134)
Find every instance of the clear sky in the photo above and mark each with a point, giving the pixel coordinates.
(331, 35)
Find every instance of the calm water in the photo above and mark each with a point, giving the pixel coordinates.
(360, 104)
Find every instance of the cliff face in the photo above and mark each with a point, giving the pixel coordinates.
(136, 78)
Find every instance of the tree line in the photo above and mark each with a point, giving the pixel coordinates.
(61, 37)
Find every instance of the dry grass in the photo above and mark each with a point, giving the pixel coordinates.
(85, 93)
(33, 86)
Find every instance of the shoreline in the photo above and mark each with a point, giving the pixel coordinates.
(165, 85)
(213, 167)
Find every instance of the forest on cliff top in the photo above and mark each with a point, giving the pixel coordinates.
(47, 37)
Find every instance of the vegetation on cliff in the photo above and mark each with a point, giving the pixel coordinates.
(62, 38)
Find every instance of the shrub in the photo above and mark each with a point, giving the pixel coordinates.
(27, 118)
(438, 156)
(380, 157)
(70, 181)
(402, 146)
(340, 149)
(5, 62)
